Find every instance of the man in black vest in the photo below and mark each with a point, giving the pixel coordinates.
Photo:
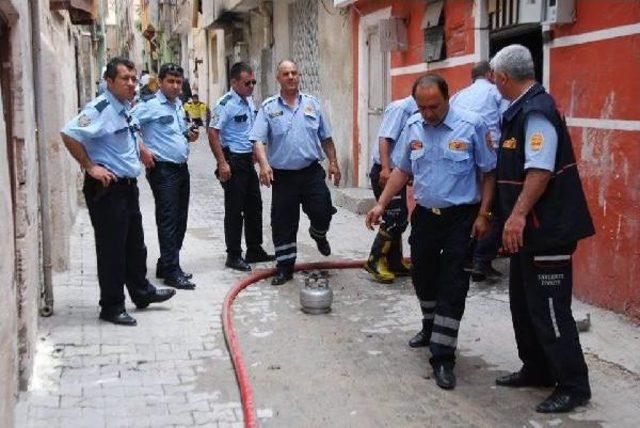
(540, 196)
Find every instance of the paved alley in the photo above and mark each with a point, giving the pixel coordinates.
(350, 368)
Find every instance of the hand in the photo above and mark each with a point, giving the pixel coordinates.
(385, 173)
(193, 135)
(373, 216)
(480, 227)
(266, 175)
(147, 159)
(224, 172)
(334, 172)
(513, 233)
(102, 174)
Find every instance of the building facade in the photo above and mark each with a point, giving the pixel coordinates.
(586, 56)
(40, 88)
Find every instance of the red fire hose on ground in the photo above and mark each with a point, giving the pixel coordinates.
(230, 336)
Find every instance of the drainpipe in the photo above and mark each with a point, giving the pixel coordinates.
(46, 293)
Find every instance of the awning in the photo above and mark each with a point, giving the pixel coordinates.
(81, 12)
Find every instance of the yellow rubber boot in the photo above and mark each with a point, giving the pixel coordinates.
(376, 264)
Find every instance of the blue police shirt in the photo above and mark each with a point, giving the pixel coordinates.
(103, 128)
(541, 143)
(483, 98)
(444, 158)
(234, 116)
(293, 134)
(163, 126)
(393, 122)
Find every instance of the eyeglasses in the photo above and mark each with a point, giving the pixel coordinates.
(250, 83)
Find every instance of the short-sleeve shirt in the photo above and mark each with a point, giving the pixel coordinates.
(106, 130)
(196, 110)
(541, 143)
(293, 134)
(164, 126)
(483, 98)
(234, 116)
(444, 159)
(393, 121)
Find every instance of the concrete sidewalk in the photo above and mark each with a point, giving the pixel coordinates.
(349, 368)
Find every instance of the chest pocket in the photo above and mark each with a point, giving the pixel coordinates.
(311, 121)
(457, 162)
(165, 120)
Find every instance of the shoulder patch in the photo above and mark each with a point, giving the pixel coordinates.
(537, 141)
(225, 99)
(101, 105)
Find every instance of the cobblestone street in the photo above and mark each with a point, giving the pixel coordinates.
(349, 368)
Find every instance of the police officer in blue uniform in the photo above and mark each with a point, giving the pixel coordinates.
(540, 196)
(446, 151)
(233, 117)
(102, 139)
(483, 98)
(385, 260)
(295, 132)
(166, 136)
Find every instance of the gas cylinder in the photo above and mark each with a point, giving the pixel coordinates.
(316, 295)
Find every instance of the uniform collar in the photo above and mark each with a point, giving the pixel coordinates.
(449, 120)
(118, 105)
(285, 103)
(238, 97)
(519, 102)
(163, 98)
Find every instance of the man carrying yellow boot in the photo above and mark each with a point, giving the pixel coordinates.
(385, 261)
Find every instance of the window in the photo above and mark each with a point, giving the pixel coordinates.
(433, 31)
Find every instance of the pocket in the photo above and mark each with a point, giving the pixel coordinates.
(457, 162)
(311, 122)
(165, 120)
(416, 154)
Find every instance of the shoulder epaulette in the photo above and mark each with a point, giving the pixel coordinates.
(101, 105)
(224, 99)
(310, 96)
(269, 100)
(146, 98)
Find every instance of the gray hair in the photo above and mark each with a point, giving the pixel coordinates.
(515, 61)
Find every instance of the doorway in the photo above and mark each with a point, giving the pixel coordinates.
(5, 96)
(377, 90)
(528, 35)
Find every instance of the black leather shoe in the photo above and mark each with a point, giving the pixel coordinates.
(122, 318)
(258, 255)
(160, 273)
(179, 282)
(237, 263)
(323, 246)
(187, 275)
(445, 378)
(160, 295)
(561, 402)
(420, 340)
(521, 379)
(281, 277)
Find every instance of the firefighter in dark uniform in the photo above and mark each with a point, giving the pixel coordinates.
(296, 133)
(540, 196)
(232, 120)
(102, 138)
(446, 150)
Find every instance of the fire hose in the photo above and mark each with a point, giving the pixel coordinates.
(231, 338)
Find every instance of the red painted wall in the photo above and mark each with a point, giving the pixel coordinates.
(597, 80)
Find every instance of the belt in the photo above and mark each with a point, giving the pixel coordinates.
(125, 181)
(448, 210)
(171, 164)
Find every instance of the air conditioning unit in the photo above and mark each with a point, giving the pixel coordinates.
(560, 11)
(547, 11)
